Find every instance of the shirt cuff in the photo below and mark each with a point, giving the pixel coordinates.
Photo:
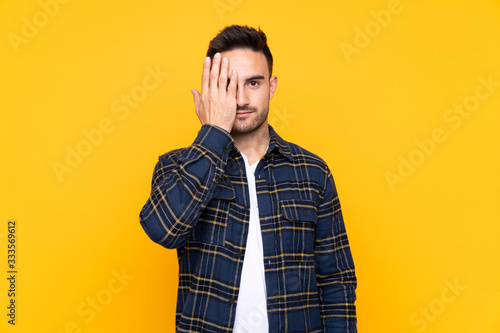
(215, 139)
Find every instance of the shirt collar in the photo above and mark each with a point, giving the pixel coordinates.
(276, 142)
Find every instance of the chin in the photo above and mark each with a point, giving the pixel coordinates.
(246, 129)
(248, 125)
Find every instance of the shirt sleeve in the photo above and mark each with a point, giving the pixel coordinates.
(335, 275)
(183, 183)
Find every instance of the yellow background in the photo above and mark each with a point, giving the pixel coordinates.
(361, 111)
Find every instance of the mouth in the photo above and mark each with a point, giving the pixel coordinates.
(243, 113)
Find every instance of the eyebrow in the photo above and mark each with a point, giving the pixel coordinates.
(255, 77)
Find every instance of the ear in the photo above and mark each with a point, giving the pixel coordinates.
(273, 84)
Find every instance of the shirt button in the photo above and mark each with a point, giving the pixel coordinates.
(306, 213)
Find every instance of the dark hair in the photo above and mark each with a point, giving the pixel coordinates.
(241, 37)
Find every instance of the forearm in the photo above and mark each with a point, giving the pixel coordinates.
(182, 185)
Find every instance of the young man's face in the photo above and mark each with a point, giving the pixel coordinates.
(254, 89)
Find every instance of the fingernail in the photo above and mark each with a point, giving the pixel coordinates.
(207, 60)
(217, 55)
(224, 60)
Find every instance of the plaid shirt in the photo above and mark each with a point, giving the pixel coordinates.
(199, 205)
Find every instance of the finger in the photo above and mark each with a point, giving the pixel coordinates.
(214, 75)
(223, 77)
(231, 89)
(205, 76)
(196, 98)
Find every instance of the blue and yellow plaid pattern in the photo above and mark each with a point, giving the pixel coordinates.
(199, 205)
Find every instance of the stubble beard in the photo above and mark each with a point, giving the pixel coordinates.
(247, 125)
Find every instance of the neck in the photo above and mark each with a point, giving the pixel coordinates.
(253, 144)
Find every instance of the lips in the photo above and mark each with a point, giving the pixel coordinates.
(243, 113)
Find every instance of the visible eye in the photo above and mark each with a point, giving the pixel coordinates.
(254, 83)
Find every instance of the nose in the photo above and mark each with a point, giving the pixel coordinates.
(241, 97)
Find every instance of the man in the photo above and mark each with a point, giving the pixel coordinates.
(256, 220)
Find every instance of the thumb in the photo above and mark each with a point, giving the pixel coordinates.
(196, 97)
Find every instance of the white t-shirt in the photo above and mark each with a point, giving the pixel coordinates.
(251, 308)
